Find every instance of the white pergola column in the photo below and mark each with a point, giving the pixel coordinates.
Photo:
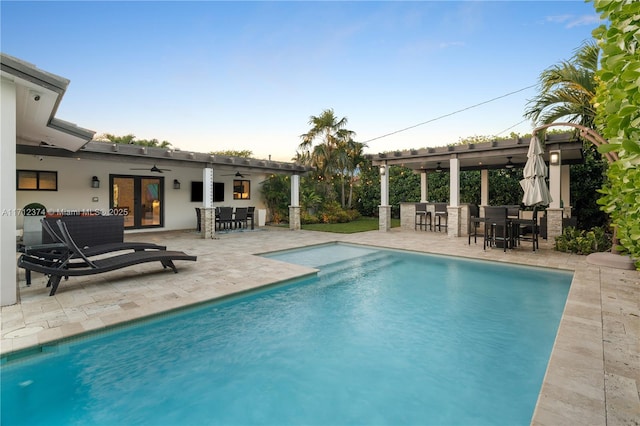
(384, 210)
(294, 208)
(565, 188)
(454, 184)
(555, 176)
(207, 212)
(554, 212)
(424, 187)
(484, 187)
(8, 276)
(454, 222)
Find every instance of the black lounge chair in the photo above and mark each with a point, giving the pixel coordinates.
(58, 250)
(79, 264)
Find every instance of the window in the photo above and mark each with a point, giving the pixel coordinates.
(35, 180)
(241, 189)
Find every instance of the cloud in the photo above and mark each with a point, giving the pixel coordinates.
(571, 21)
(447, 44)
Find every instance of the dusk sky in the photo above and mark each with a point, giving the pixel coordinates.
(210, 75)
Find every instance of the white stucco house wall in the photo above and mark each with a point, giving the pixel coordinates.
(56, 163)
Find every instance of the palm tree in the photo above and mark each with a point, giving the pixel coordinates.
(567, 90)
(324, 156)
(355, 158)
(567, 95)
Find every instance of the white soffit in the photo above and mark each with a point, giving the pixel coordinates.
(38, 94)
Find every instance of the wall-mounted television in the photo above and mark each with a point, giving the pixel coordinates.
(196, 191)
(218, 191)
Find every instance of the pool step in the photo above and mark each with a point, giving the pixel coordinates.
(371, 261)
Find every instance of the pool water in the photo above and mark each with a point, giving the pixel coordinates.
(379, 337)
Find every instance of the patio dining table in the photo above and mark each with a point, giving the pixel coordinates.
(504, 224)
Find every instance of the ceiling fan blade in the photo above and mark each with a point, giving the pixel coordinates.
(154, 169)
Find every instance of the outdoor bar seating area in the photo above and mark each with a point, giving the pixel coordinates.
(431, 216)
(505, 227)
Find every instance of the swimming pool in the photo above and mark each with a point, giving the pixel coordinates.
(379, 337)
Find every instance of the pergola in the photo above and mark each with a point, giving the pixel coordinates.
(561, 150)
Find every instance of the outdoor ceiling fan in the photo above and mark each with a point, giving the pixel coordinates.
(238, 175)
(155, 169)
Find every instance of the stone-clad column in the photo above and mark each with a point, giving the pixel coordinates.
(294, 218)
(453, 221)
(207, 222)
(384, 222)
(554, 223)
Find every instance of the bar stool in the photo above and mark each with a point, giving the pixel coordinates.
(441, 213)
(423, 217)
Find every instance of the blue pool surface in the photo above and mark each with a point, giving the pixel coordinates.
(380, 337)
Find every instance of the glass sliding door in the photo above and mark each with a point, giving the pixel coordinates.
(139, 199)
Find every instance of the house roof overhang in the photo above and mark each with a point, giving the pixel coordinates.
(38, 94)
(163, 157)
(487, 155)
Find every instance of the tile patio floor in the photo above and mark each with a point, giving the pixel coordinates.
(593, 376)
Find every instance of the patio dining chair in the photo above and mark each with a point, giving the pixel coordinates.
(198, 219)
(497, 229)
(240, 217)
(474, 223)
(251, 212)
(529, 229)
(224, 219)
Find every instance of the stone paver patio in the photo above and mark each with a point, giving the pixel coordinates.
(593, 376)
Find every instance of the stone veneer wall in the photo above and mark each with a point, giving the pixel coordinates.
(407, 216)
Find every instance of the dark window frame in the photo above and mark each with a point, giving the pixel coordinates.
(237, 195)
(38, 173)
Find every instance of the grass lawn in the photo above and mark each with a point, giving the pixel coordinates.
(359, 225)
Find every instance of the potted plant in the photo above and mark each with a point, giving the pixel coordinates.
(32, 228)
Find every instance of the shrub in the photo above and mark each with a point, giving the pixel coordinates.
(332, 212)
(307, 218)
(353, 214)
(577, 241)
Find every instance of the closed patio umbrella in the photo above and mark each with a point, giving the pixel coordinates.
(535, 170)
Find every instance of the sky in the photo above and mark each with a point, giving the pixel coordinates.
(213, 75)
